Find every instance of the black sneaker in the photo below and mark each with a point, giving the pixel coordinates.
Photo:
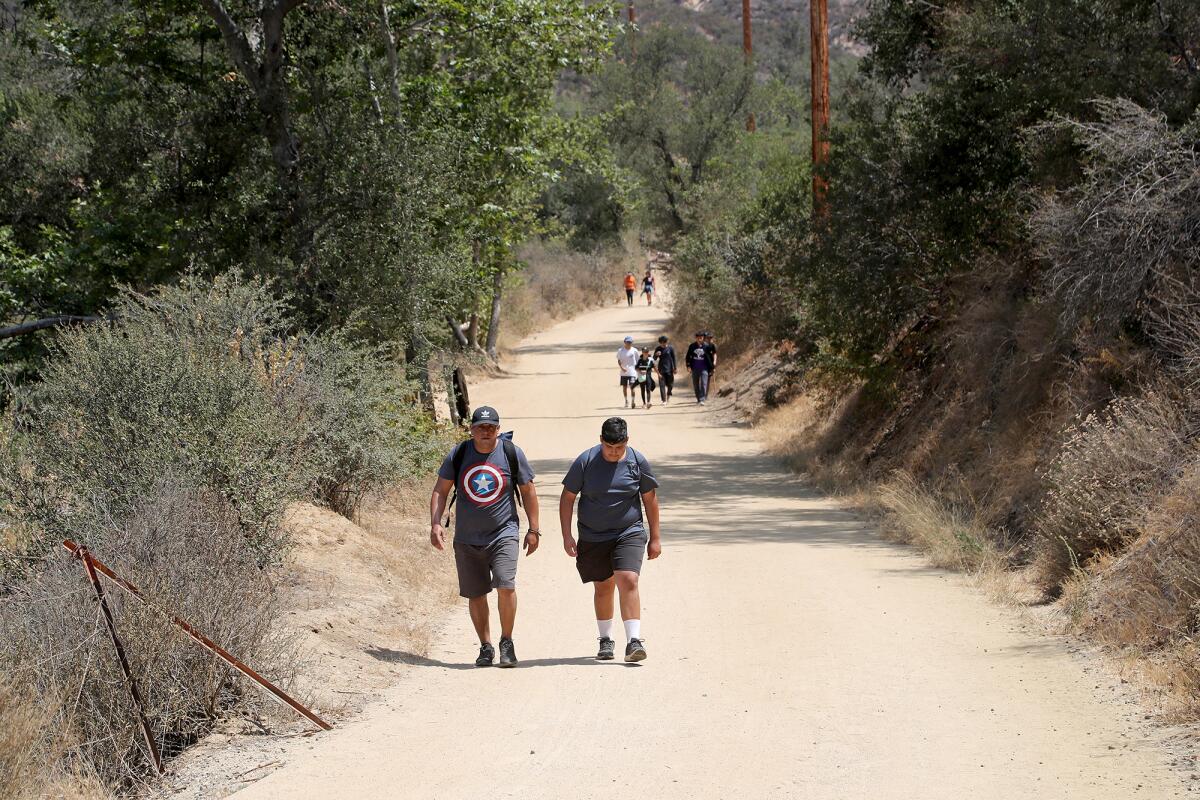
(635, 650)
(508, 655)
(607, 646)
(486, 654)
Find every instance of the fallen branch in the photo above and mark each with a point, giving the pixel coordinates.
(26, 328)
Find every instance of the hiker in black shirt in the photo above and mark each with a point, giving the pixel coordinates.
(699, 361)
(664, 354)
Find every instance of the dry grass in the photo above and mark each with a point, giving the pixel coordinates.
(950, 535)
(188, 553)
(1111, 465)
(558, 283)
(32, 743)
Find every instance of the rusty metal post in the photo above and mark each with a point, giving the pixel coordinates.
(96, 565)
(748, 52)
(138, 706)
(819, 33)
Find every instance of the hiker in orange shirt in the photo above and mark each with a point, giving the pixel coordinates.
(630, 286)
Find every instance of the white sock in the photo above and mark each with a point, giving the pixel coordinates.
(633, 629)
(605, 628)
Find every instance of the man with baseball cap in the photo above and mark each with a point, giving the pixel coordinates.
(486, 472)
(627, 358)
(612, 481)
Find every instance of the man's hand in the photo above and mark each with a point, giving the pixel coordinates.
(653, 549)
(437, 536)
(532, 540)
(569, 545)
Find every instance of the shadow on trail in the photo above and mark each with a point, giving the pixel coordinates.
(402, 657)
(740, 499)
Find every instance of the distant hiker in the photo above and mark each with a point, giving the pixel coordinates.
(646, 368)
(613, 481)
(664, 355)
(486, 473)
(699, 362)
(648, 287)
(630, 286)
(627, 358)
(712, 349)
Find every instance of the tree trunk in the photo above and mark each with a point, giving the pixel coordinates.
(473, 327)
(389, 46)
(265, 74)
(416, 357)
(493, 335)
(459, 336)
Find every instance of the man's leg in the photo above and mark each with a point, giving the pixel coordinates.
(507, 600)
(480, 618)
(604, 597)
(696, 385)
(704, 385)
(631, 599)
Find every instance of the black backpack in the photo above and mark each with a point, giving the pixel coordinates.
(460, 455)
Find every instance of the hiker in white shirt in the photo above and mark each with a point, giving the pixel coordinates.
(627, 358)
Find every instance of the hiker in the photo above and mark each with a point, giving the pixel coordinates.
(486, 473)
(712, 350)
(664, 356)
(630, 287)
(699, 362)
(612, 481)
(627, 358)
(646, 367)
(648, 287)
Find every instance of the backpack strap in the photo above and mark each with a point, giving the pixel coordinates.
(510, 450)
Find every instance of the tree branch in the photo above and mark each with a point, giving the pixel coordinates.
(26, 328)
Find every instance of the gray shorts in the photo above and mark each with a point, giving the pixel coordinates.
(596, 561)
(483, 567)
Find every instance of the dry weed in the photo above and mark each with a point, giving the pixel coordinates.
(32, 744)
(951, 537)
(1111, 466)
(188, 552)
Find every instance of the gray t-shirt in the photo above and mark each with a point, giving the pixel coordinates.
(609, 493)
(485, 510)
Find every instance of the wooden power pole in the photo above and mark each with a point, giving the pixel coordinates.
(819, 31)
(748, 50)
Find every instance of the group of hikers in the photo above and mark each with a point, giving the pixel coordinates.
(643, 370)
(648, 287)
(488, 476)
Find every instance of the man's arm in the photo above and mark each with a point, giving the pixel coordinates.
(529, 499)
(437, 507)
(650, 500)
(566, 508)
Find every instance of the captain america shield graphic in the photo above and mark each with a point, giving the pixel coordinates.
(483, 484)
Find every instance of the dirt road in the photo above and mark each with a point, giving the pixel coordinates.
(792, 653)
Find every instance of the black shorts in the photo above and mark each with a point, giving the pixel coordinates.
(596, 561)
(628, 381)
(483, 567)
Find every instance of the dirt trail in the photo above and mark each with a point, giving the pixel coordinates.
(792, 652)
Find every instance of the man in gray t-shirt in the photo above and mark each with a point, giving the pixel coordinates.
(486, 473)
(613, 482)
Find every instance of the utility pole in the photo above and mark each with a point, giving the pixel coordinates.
(748, 49)
(819, 31)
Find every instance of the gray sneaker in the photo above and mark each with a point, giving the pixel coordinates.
(486, 655)
(508, 655)
(607, 648)
(634, 651)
